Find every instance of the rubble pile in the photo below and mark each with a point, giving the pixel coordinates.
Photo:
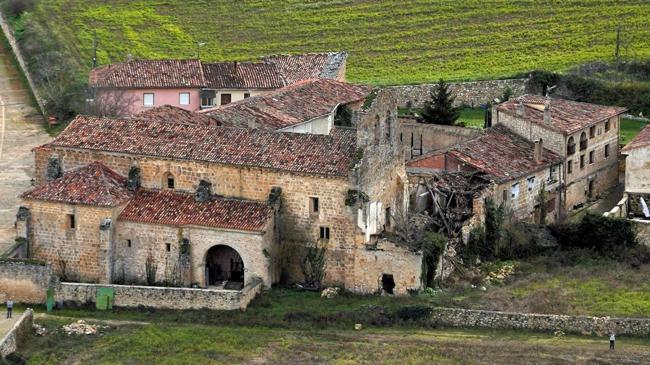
(330, 293)
(80, 327)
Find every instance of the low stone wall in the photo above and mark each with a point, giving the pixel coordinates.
(14, 338)
(420, 138)
(584, 325)
(162, 297)
(642, 231)
(473, 93)
(25, 281)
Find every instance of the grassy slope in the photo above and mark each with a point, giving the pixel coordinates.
(390, 42)
(204, 344)
(630, 128)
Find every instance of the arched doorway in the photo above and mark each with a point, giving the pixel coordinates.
(224, 267)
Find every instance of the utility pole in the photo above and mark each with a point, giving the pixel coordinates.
(94, 49)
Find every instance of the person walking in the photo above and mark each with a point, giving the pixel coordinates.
(612, 341)
(10, 307)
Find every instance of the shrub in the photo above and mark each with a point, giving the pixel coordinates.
(14, 8)
(609, 237)
(413, 312)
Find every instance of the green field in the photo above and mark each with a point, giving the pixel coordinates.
(390, 42)
(630, 128)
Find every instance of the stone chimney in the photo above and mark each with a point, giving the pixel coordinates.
(520, 109)
(547, 112)
(537, 150)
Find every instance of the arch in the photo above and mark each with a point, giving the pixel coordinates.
(571, 146)
(168, 181)
(583, 141)
(224, 266)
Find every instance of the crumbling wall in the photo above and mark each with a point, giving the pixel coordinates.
(25, 281)
(419, 138)
(474, 93)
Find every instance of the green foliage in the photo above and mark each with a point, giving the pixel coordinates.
(432, 246)
(150, 268)
(356, 158)
(440, 109)
(541, 200)
(388, 42)
(494, 217)
(313, 264)
(507, 94)
(609, 237)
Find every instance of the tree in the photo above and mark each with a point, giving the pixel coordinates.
(440, 109)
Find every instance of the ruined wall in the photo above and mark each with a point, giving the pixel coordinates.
(604, 179)
(419, 138)
(523, 205)
(24, 281)
(76, 253)
(473, 93)
(637, 170)
(14, 339)
(553, 140)
(163, 297)
(642, 231)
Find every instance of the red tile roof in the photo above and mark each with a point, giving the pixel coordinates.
(242, 75)
(295, 152)
(308, 66)
(173, 114)
(149, 74)
(94, 184)
(291, 105)
(641, 140)
(178, 209)
(502, 154)
(566, 116)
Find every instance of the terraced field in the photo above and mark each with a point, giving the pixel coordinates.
(390, 42)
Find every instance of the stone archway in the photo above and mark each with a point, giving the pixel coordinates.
(224, 267)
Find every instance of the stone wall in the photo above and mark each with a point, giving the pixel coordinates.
(23, 281)
(419, 138)
(163, 297)
(472, 94)
(642, 231)
(637, 170)
(584, 325)
(15, 337)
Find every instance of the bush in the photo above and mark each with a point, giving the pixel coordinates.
(610, 237)
(14, 8)
(413, 312)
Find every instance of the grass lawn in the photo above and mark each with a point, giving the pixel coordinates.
(163, 343)
(472, 117)
(389, 42)
(630, 128)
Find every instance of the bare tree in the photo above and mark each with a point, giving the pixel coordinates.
(109, 103)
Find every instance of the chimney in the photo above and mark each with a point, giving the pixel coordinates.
(537, 150)
(520, 109)
(547, 112)
(235, 63)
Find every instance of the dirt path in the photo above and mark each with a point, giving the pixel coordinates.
(21, 129)
(7, 324)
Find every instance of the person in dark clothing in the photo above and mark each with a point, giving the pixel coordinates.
(10, 307)
(612, 341)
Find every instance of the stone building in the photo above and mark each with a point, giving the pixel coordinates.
(585, 136)
(138, 85)
(419, 139)
(637, 163)
(519, 169)
(204, 205)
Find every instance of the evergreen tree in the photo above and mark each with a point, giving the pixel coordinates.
(440, 109)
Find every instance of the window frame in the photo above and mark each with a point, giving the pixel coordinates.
(592, 157)
(569, 167)
(153, 99)
(180, 98)
(314, 205)
(221, 98)
(324, 233)
(71, 221)
(606, 151)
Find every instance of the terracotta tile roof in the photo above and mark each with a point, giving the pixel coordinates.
(178, 209)
(149, 74)
(502, 154)
(566, 116)
(309, 66)
(94, 184)
(242, 75)
(173, 114)
(641, 140)
(296, 152)
(291, 105)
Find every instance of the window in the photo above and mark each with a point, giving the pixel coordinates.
(247, 95)
(571, 146)
(592, 132)
(71, 221)
(551, 174)
(607, 126)
(531, 183)
(325, 233)
(569, 167)
(207, 102)
(170, 181)
(313, 205)
(582, 161)
(225, 99)
(606, 150)
(168, 247)
(583, 141)
(387, 218)
(514, 191)
(505, 195)
(128, 243)
(592, 157)
(184, 98)
(147, 99)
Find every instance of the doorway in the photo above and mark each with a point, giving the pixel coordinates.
(224, 267)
